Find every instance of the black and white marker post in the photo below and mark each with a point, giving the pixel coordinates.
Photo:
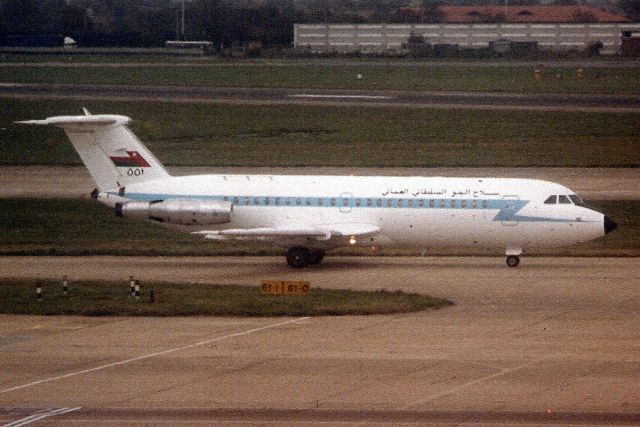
(65, 285)
(38, 291)
(132, 286)
(137, 290)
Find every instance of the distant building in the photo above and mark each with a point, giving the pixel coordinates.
(527, 14)
(390, 38)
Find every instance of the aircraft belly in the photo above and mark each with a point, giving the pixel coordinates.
(440, 228)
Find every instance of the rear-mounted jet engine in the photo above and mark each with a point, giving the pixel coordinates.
(180, 212)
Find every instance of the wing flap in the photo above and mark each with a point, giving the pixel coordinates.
(319, 232)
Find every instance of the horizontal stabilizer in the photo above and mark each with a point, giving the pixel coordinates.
(101, 120)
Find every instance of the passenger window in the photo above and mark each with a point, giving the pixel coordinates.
(320, 201)
(389, 203)
(379, 202)
(564, 200)
(432, 203)
(442, 203)
(256, 201)
(453, 203)
(298, 201)
(333, 201)
(485, 204)
(307, 201)
(551, 200)
(463, 203)
(345, 202)
(474, 204)
(368, 202)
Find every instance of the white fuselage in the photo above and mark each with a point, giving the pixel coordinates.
(421, 212)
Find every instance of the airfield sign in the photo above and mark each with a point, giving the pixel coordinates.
(285, 287)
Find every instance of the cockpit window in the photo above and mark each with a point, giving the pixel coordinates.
(551, 200)
(576, 200)
(564, 200)
(579, 202)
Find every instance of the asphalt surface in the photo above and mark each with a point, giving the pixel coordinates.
(286, 96)
(74, 181)
(554, 341)
(393, 62)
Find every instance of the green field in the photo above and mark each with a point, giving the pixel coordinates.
(92, 298)
(507, 78)
(85, 227)
(225, 135)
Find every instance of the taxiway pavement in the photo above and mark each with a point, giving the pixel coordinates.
(553, 341)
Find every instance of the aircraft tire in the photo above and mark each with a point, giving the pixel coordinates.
(513, 260)
(317, 257)
(299, 257)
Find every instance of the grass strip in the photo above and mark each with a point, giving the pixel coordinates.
(86, 227)
(111, 298)
(344, 76)
(227, 135)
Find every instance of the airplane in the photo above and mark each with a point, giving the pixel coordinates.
(311, 214)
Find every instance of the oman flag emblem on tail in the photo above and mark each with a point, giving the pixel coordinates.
(133, 159)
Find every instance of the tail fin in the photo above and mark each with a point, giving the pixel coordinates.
(110, 151)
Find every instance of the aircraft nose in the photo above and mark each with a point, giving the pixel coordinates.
(609, 225)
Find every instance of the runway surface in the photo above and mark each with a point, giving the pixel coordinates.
(286, 96)
(74, 181)
(554, 341)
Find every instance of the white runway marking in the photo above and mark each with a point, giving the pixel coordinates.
(456, 389)
(147, 356)
(309, 95)
(40, 416)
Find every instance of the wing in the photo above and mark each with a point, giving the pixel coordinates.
(334, 234)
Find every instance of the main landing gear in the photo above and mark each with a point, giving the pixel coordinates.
(300, 257)
(513, 260)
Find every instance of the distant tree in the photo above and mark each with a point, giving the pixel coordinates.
(386, 10)
(75, 20)
(584, 16)
(565, 2)
(631, 8)
(431, 11)
(25, 17)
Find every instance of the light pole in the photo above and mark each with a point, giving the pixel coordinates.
(182, 22)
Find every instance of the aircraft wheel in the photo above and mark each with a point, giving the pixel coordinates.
(317, 257)
(299, 257)
(513, 260)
